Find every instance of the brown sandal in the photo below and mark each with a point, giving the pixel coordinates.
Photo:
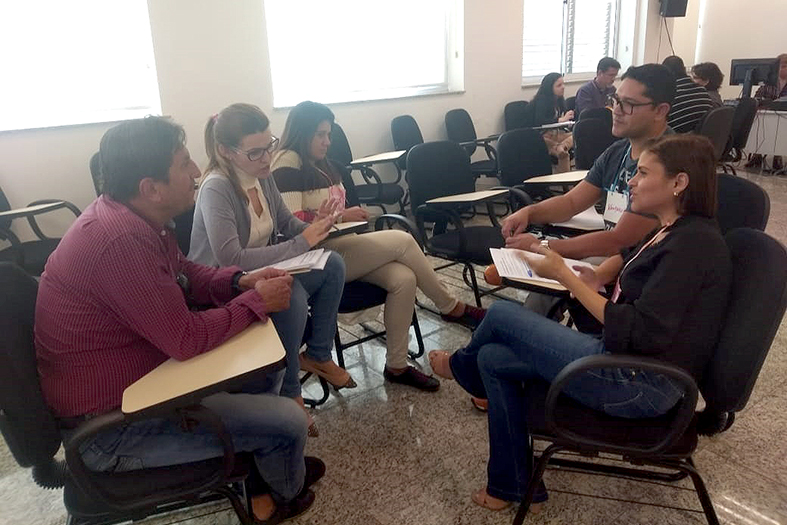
(335, 375)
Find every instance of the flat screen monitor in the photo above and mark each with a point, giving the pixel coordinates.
(753, 71)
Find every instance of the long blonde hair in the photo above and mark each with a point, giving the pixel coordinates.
(227, 128)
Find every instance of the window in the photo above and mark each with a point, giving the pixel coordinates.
(351, 50)
(568, 36)
(75, 62)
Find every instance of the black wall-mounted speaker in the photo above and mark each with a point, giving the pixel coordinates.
(672, 8)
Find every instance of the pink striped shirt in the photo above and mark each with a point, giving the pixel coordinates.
(109, 309)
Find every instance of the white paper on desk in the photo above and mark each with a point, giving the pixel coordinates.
(588, 220)
(509, 264)
(557, 125)
(311, 260)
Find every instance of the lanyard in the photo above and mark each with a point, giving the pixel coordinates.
(616, 293)
(614, 186)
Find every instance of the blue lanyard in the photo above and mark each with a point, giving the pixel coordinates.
(613, 187)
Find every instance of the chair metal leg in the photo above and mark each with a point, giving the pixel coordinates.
(339, 348)
(469, 270)
(535, 481)
(702, 491)
(418, 338)
(244, 514)
(311, 403)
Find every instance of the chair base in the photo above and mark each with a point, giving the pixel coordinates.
(682, 467)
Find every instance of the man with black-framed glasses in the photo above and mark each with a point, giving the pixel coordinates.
(639, 108)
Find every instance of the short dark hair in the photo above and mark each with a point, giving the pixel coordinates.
(135, 150)
(675, 65)
(606, 63)
(710, 72)
(658, 81)
(694, 156)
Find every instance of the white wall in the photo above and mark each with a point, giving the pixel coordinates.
(727, 29)
(211, 53)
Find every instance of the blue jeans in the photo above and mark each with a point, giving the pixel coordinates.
(318, 292)
(273, 428)
(514, 345)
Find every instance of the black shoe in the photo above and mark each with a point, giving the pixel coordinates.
(315, 469)
(284, 511)
(415, 378)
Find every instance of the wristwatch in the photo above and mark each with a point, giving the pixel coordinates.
(545, 243)
(236, 277)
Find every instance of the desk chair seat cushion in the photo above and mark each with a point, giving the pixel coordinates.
(136, 485)
(484, 166)
(35, 254)
(387, 193)
(596, 425)
(479, 240)
(360, 295)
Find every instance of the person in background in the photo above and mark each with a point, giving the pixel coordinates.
(778, 90)
(671, 292)
(548, 107)
(709, 76)
(594, 94)
(241, 220)
(114, 302)
(390, 259)
(692, 102)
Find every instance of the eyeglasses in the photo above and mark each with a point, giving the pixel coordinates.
(625, 106)
(257, 153)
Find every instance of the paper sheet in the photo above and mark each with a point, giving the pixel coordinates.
(511, 265)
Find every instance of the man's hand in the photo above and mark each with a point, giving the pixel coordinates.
(515, 223)
(248, 281)
(552, 266)
(275, 292)
(523, 241)
(356, 213)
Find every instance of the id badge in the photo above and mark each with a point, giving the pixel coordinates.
(617, 203)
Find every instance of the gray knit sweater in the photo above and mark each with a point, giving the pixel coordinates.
(222, 225)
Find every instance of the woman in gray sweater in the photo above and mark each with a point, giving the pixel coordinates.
(240, 219)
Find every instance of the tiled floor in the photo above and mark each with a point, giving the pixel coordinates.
(397, 456)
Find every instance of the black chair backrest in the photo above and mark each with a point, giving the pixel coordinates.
(339, 150)
(95, 173)
(406, 134)
(27, 424)
(571, 103)
(600, 113)
(515, 115)
(756, 307)
(438, 169)
(349, 185)
(742, 121)
(183, 225)
(742, 204)
(522, 154)
(460, 128)
(591, 137)
(4, 206)
(717, 126)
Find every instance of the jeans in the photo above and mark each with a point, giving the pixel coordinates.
(273, 428)
(514, 345)
(317, 292)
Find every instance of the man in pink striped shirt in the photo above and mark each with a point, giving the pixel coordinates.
(114, 302)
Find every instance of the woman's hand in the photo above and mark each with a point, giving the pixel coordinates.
(317, 231)
(327, 208)
(356, 213)
(588, 276)
(551, 266)
(568, 115)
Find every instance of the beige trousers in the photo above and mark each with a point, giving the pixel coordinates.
(391, 259)
(558, 143)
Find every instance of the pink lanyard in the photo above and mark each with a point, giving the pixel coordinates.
(616, 292)
(335, 191)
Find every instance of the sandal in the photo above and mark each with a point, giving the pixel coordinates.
(330, 371)
(443, 368)
(313, 431)
(480, 404)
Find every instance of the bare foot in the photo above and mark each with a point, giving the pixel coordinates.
(480, 497)
(263, 506)
(438, 360)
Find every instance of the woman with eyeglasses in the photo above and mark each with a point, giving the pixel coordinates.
(390, 259)
(548, 107)
(240, 219)
(668, 300)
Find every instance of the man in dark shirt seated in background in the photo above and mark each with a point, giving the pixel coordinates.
(113, 304)
(692, 102)
(594, 94)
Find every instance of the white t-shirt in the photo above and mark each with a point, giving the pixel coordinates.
(261, 225)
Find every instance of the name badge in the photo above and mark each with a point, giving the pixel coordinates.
(617, 202)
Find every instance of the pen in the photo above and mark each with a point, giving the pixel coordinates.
(527, 268)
